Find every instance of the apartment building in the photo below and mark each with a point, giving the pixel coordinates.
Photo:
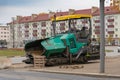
(112, 26)
(39, 26)
(29, 28)
(4, 36)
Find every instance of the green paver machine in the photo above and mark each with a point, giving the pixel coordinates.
(72, 46)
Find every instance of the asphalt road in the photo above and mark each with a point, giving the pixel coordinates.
(18, 74)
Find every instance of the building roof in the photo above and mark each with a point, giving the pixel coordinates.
(84, 11)
(107, 11)
(61, 13)
(41, 17)
(2, 26)
(94, 11)
(25, 19)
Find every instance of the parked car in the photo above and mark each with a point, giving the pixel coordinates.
(118, 48)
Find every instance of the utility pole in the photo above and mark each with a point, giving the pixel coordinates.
(102, 38)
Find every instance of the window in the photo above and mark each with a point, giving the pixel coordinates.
(43, 24)
(34, 25)
(26, 26)
(107, 10)
(35, 34)
(43, 32)
(110, 26)
(74, 22)
(116, 29)
(34, 31)
(26, 35)
(116, 35)
(106, 35)
(110, 32)
(98, 36)
(97, 21)
(111, 35)
(26, 31)
(62, 24)
(106, 30)
(93, 36)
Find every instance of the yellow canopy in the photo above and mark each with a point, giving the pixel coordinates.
(75, 16)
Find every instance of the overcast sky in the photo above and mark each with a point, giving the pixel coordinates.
(11, 8)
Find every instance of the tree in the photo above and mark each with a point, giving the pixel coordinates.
(109, 40)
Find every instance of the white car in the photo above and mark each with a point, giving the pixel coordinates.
(118, 48)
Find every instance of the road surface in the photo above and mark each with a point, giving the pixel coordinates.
(19, 74)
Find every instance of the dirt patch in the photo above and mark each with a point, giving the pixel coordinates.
(5, 62)
(112, 66)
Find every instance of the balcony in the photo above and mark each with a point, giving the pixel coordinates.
(26, 35)
(62, 24)
(43, 32)
(97, 21)
(34, 34)
(84, 22)
(74, 22)
(110, 26)
(97, 32)
(97, 27)
(110, 32)
(26, 31)
(110, 20)
(26, 26)
(34, 31)
(62, 28)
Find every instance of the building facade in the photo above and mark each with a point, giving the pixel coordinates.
(39, 26)
(4, 36)
(112, 26)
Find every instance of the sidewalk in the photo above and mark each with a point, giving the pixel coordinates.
(112, 68)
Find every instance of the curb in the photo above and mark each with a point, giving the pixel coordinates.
(102, 75)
